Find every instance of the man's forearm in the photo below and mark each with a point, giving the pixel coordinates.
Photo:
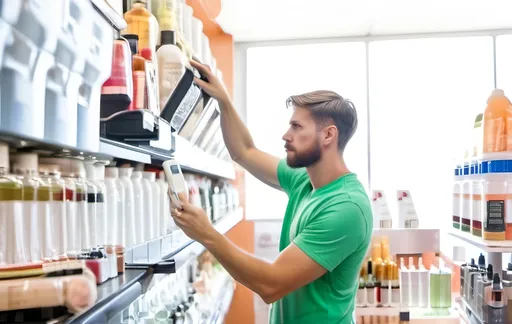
(252, 272)
(236, 135)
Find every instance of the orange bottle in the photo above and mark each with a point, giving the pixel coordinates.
(141, 22)
(138, 73)
(497, 123)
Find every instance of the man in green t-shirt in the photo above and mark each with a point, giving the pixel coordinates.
(328, 222)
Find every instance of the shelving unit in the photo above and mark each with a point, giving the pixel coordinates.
(416, 315)
(118, 293)
(494, 249)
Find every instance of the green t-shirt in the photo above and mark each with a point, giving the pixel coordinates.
(333, 226)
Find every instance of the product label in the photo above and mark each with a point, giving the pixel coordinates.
(171, 76)
(495, 221)
(183, 111)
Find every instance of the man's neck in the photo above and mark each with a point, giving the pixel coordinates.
(328, 169)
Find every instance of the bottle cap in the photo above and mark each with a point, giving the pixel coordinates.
(370, 270)
(496, 282)
(49, 168)
(481, 260)
(133, 40)
(472, 262)
(490, 272)
(4, 156)
(168, 37)
(68, 167)
(137, 175)
(112, 172)
(151, 176)
(90, 170)
(161, 175)
(147, 54)
(100, 171)
(25, 162)
(497, 93)
(125, 172)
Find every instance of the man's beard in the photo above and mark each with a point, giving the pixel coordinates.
(304, 159)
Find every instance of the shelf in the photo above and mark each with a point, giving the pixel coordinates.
(113, 296)
(193, 159)
(176, 245)
(485, 245)
(410, 240)
(416, 315)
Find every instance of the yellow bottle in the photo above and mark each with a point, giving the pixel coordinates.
(143, 24)
(166, 15)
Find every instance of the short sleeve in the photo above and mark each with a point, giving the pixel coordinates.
(289, 177)
(333, 235)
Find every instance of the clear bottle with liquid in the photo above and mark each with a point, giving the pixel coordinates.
(440, 287)
(12, 239)
(405, 285)
(56, 233)
(140, 21)
(25, 168)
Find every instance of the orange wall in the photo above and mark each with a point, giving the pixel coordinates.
(223, 49)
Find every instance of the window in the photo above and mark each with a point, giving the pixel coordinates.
(424, 97)
(273, 74)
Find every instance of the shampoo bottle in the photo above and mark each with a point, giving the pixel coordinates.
(424, 284)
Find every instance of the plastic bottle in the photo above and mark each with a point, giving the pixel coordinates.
(139, 206)
(13, 246)
(55, 230)
(171, 65)
(151, 207)
(166, 225)
(405, 285)
(498, 190)
(117, 91)
(495, 120)
(138, 74)
(407, 217)
(142, 23)
(165, 12)
(465, 220)
(76, 200)
(125, 174)
(478, 197)
(382, 217)
(478, 135)
(115, 206)
(456, 194)
(424, 284)
(96, 175)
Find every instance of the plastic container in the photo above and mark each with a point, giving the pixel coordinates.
(456, 194)
(149, 207)
(115, 206)
(498, 196)
(171, 66)
(141, 22)
(56, 232)
(165, 12)
(96, 71)
(206, 51)
(465, 218)
(12, 244)
(478, 195)
(157, 205)
(165, 224)
(138, 74)
(96, 175)
(188, 13)
(117, 91)
(25, 167)
(496, 123)
(125, 174)
(440, 287)
(139, 206)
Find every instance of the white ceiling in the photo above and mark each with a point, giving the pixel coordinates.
(257, 20)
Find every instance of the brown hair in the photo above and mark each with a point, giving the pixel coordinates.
(328, 106)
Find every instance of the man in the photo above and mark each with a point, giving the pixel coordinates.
(328, 222)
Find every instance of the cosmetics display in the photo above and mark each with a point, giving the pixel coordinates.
(485, 291)
(482, 186)
(407, 284)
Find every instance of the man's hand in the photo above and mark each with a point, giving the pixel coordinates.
(193, 221)
(213, 87)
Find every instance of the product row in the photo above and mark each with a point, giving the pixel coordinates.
(481, 192)
(190, 296)
(382, 218)
(384, 283)
(60, 207)
(486, 292)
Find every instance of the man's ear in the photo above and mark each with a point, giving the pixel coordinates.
(329, 134)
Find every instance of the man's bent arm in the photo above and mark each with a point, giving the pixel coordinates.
(292, 270)
(241, 147)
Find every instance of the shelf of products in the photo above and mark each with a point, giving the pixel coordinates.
(484, 245)
(416, 315)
